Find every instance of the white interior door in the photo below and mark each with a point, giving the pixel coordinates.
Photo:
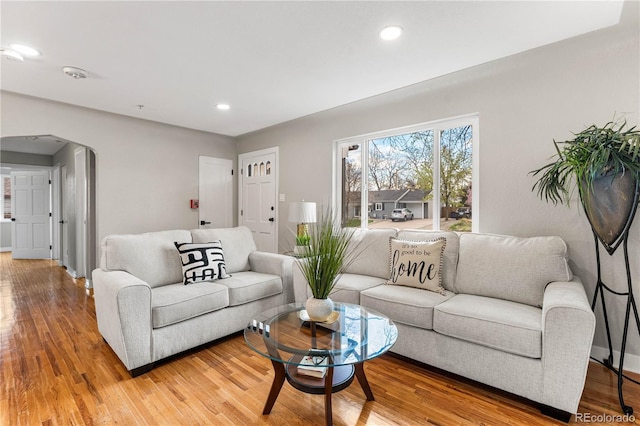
(55, 210)
(31, 222)
(258, 195)
(64, 219)
(215, 192)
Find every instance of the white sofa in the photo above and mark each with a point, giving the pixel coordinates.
(513, 316)
(146, 313)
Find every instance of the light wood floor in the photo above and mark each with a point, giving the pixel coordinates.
(55, 369)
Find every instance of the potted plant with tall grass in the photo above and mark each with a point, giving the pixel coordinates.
(328, 255)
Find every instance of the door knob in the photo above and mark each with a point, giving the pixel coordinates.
(271, 219)
(203, 222)
(13, 219)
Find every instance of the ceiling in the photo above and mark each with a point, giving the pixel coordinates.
(271, 61)
(34, 144)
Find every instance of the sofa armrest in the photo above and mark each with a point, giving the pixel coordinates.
(123, 312)
(275, 264)
(301, 289)
(568, 325)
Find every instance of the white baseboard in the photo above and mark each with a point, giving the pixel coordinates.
(631, 362)
(72, 273)
(3, 249)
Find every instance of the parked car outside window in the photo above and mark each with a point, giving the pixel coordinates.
(461, 213)
(401, 214)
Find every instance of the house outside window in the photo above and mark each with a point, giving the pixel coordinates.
(428, 168)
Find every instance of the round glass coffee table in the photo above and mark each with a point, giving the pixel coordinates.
(320, 358)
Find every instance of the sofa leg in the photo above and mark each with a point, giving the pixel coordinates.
(141, 370)
(557, 414)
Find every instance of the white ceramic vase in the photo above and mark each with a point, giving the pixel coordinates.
(319, 309)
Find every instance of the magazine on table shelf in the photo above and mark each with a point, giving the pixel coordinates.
(313, 366)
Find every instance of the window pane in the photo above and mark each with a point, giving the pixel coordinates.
(400, 179)
(421, 173)
(455, 178)
(351, 185)
(6, 190)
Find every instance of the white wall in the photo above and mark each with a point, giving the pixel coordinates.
(146, 172)
(524, 102)
(5, 236)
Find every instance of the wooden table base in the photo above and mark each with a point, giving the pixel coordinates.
(336, 379)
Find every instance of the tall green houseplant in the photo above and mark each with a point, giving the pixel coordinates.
(604, 164)
(328, 254)
(593, 153)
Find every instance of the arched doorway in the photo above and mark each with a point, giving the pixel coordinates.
(72, 169)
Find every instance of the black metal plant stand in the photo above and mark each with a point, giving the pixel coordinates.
(631, 303)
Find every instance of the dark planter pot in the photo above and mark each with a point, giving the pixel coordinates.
(610, 207)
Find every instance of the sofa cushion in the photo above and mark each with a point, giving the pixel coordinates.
(201, 261)
(500, 324)
(173, 303)
(349, 286)
(511, 268)
(237, 242)
(150, 256)
(248, 286)
(406, 305)
(450, 254)
(417, 263)
(373, 246)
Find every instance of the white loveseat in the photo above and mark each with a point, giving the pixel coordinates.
(146, 313)
(513, 316)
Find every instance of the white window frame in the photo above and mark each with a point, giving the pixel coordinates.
(379, 207)
(436, 126)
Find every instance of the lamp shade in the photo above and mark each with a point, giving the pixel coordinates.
(302, 212)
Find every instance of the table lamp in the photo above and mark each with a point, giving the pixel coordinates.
(302, 213)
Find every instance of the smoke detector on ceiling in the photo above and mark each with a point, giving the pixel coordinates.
(74, 72)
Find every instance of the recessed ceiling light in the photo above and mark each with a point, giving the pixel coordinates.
(223, 106)
(391, 32)
(11, 55)
(24, 49)
(74, 72)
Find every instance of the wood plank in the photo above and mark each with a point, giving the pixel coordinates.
(55, 369)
